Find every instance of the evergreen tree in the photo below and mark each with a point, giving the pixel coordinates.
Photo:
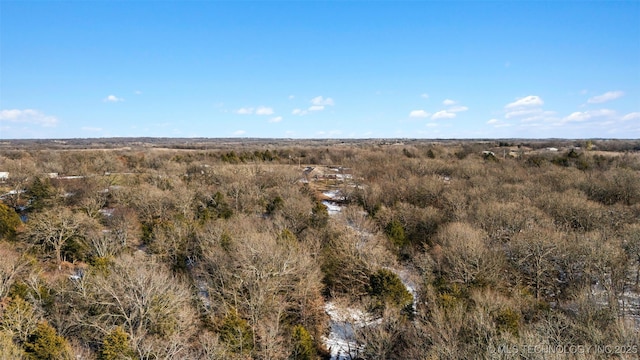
(395, 232)
(9, 222)
(236, 333)
(46, 344)
(115, 346)
(387, 287)
(39, 193)
(319, 215)
(303, 348)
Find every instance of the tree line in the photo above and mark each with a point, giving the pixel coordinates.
(227, 254)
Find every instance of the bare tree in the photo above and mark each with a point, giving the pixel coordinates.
(533, 253)
(10, 350)
(11, 266)
(19, 318)
(143, 298)
(268, 278)
(466, 257)
(54, 228)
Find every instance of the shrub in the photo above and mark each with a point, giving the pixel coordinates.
(449, 295)
(535, 161)
(236, 333)
(215, 207)
(507, 320)
(9, 222)
(395, 232)
(620, 186)
(408, 153)
(45, 344)
(319, 215)
(303, 348)
(115, 346)
(276, 204)
(287, 238)
(387, 288)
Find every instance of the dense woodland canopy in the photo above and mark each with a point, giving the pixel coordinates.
(226, 251)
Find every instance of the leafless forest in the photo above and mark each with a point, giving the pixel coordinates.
(319, 249)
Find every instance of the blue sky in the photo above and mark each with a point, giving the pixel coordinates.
(301, 69)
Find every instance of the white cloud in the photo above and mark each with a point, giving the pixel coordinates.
(493, 121)
(419, 114)
(321, 101)
(608, 96)
(239, 132)
(291, 97)
(112, 98)
(603, 113)
(138, 92)
(28, 116)
(448, 102)
(261, 110)
(244, 111)
(443, 115)
(318, 103)
(531, 100)
(579, 116)
(424, 96)
(631, 116)
(275, 119)
(264, 111)
(458, 109)
(529, 112)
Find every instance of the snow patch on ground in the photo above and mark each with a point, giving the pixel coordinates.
(335, 195)
(341, 341)
(332, 207)
(344, 320)
(628, 302)
(409, 283)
